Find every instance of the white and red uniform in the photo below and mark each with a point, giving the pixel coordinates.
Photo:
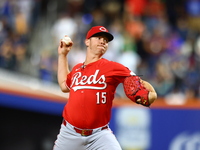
(92, 91)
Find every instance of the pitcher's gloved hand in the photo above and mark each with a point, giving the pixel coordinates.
(136, 91)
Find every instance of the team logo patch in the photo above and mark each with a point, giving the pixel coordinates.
(103, 29)
(80, 81)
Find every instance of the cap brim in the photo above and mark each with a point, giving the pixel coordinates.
(108, 35)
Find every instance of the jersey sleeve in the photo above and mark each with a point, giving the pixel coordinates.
(120, 71)
(68, 81)
(69, 76)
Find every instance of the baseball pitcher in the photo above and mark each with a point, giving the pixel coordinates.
(91, 86)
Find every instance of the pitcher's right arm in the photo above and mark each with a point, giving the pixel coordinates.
(63, 66)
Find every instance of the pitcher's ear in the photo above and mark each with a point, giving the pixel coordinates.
(87, 42)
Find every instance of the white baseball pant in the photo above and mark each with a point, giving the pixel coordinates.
(69, 139)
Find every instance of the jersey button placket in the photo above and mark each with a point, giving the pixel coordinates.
(83, 107)
(82, 104)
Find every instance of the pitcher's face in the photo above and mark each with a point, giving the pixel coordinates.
(97, 44)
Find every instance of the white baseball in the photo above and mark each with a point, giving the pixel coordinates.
(67, 40)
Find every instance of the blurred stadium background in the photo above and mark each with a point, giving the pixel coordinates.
(158, 39)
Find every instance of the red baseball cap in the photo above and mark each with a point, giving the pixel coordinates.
(99, 29)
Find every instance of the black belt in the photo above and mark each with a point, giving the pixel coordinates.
(84, 132)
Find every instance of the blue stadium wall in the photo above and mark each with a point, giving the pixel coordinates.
(34, 120)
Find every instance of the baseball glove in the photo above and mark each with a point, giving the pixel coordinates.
(135, 90)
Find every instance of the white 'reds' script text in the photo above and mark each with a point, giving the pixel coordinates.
(84, 82)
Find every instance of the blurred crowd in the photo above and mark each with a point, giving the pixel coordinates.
(159, 40)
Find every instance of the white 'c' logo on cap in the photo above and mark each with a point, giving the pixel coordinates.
(103, 29)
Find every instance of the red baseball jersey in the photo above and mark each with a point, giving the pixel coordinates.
(92, 91)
